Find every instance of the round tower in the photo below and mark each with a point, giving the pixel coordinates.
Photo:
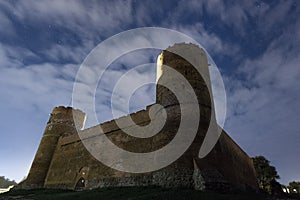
(62, 121)
(188, 60)
(182, 88)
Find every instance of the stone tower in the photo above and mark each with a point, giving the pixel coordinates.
(190, 61)
(175, 57)
(177, 67)
(61, 122)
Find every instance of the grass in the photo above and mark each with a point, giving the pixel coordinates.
(132, 193)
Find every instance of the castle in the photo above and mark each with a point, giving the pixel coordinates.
(62, 160)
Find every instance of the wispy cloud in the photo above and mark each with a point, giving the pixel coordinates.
(39, 85)
(265, 101)
(7, 28)
(67, 53)
(211, 42)
(85, 18)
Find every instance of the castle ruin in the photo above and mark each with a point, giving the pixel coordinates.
(62, 160)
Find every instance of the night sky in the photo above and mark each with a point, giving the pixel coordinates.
(255, 45)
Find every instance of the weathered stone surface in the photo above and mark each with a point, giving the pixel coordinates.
(62, 160)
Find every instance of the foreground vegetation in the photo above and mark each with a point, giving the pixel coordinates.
(132, 193)
(5, 182)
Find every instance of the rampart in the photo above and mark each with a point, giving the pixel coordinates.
(62, 160)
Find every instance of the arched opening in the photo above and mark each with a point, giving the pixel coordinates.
(80, 184)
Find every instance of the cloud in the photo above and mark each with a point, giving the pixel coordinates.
(85, 18)
(38, 85)
(230, 13)
(238, 14)
(28, 94)
(130, 70)
(12, 56)
(7, 28)
(211, 42)
(275, 16)
(67, 53)
(264, 102)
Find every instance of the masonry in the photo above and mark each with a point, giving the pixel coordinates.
(62, 160)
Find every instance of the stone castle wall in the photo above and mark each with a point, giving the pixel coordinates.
(227, 166)
(62, 161)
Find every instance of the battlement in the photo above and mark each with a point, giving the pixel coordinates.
(63, 109)
(67, 115)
